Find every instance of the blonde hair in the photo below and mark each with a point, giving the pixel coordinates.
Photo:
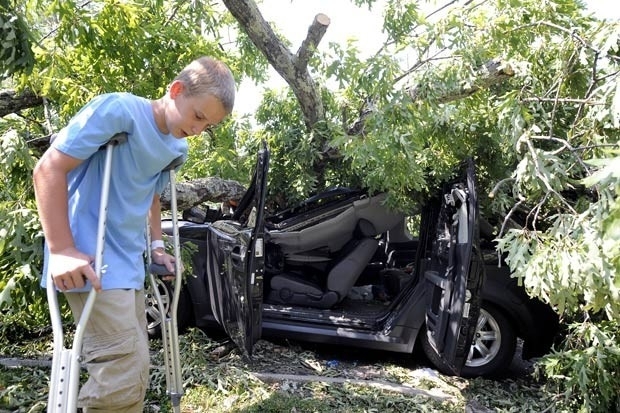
(208, 76)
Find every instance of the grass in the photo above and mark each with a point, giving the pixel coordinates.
(216, 381)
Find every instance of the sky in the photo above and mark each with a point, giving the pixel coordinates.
(293, 17)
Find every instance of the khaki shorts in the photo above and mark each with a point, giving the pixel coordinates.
(115, 351)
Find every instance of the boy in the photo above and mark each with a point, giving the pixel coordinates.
(68, 181)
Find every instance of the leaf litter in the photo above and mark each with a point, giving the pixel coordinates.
(285, 376)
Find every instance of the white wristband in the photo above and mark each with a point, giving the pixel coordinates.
(157, 244)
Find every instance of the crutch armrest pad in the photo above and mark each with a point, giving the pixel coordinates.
(178, 161)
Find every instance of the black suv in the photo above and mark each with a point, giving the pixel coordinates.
(342, 268)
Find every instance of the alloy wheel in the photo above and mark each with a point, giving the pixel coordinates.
(487, 341)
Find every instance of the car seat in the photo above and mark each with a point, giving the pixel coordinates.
(295, 289)
(315, 241)
(341, 245)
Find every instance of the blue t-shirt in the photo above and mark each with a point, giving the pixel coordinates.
(137, 166)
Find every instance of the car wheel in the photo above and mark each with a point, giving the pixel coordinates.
(493, 346)
(154, 310)
(492, 349)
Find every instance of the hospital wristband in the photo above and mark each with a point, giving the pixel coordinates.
(157, 244)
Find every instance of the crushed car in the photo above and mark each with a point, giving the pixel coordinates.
(342, 268)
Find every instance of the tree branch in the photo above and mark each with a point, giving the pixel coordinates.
(11, 102)
(492, 73)
(315, 33)
(563, 100)
(292, 69)
(198, 191)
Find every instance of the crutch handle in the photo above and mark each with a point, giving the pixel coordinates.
(159, 269)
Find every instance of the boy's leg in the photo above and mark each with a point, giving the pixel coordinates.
(115, 350)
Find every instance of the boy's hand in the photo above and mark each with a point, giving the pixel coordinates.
(161, 257)
(70, 268)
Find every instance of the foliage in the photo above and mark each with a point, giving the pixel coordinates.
(107, 46)
(23, 388)
(222, 153)
(586, 371)
(584, 275)
(16, 54)
(292, 147)
(529, 89)
(21, 301)
(539, 132)
(217, 381)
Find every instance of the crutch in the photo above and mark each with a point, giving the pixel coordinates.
(65, 378)
(169, 326)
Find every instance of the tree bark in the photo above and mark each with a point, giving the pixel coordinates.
(11, 102)
(201, 190)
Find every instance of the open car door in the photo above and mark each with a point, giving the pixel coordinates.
(235, 263)
(454, 273)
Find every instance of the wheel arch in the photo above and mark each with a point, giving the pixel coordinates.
(534, 322)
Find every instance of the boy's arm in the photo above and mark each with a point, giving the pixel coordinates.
(155, 219)
(159, 254)
(67, 265)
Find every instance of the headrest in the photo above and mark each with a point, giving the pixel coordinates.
(365, 229)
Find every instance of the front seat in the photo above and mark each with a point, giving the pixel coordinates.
(293, 289)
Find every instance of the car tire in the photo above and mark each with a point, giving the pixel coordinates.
(492, 349)
(154, 313)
